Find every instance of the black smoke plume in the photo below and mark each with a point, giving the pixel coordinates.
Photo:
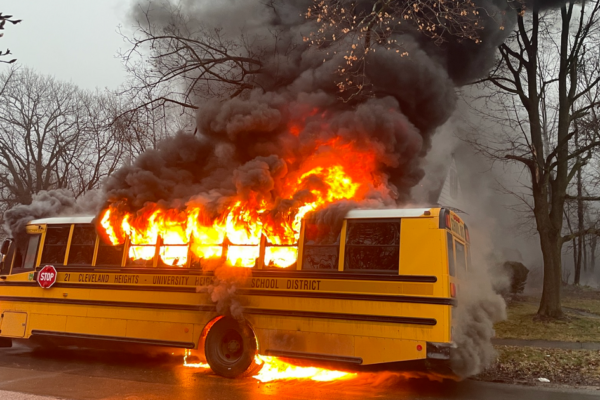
(412, 95)
(246, 145)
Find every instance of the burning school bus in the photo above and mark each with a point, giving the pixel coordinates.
(375, 291)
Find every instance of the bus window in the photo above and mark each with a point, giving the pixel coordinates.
(321, 247)
(173, 255)
(203, 254)
(451, 268)
(7, 259)
(109, 255)
(280, 257)
(141, 255)
(55, 244)
(82, 245)
(373, 246)
(461, 261)
(32, 252)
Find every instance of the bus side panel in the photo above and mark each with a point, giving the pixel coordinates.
(371, 350)
(422, 251)
(305, 342)
(13, 324)
(383, 350)
(97, 326)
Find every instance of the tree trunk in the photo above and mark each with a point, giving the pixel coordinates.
(593, 242)
(575, 262)
(584, 262)
(551, 248)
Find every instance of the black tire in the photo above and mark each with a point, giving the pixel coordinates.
(230, 348)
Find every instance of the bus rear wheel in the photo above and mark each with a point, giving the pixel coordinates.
(230, 348)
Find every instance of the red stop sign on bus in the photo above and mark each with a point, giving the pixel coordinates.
(47, 276)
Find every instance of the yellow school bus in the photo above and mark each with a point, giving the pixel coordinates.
(377, 290)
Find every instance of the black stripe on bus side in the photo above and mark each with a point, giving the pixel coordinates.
(143, 288)
(257, 292)
(343, 276)
(257, 273)
(19, 283)
(256, 311)
(313, 356)
(107, 286)
(158, 306)
(342, 316)
(351, 296)
(183, 345)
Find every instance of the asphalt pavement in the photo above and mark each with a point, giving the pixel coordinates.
(94, 374)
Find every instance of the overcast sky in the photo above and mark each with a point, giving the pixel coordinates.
(73, 40)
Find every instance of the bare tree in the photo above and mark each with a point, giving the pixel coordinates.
(3, 20)
(546, 79)
(145, 121)
(184, 61)
(366, 28)
(53, 135)
(180, 62)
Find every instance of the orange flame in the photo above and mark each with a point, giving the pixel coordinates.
(334, 172)
(193, 365)
(273, 369)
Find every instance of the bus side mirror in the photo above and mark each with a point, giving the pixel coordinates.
(5, 246)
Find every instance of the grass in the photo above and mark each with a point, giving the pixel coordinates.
(588, 305)
(582, 298)
(527, 364)
(521, 324)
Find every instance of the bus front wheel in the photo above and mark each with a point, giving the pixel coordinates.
(230, 348)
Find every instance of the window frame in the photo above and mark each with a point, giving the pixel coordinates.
(302, 249)
(461, 269)
(451, 253)
(44, 244)
(22, 269)
(261, 260)
(344, 256)
(101, 243)
(70, 246)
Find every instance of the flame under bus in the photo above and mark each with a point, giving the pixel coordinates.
(377, 289)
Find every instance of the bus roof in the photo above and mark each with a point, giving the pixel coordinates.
(88, 219)
(387, 213)
(353, 214)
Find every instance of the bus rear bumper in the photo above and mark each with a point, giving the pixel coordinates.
(439, 351)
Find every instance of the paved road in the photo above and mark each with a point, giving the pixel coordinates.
(87, 374)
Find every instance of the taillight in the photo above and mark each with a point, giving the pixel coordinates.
(448, 224)
(452, 290)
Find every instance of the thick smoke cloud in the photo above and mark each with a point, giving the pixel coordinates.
(479, 307)
(51, 203)
(248, 144)
(414, 94)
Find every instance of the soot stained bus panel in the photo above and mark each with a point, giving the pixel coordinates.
(372, 246)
